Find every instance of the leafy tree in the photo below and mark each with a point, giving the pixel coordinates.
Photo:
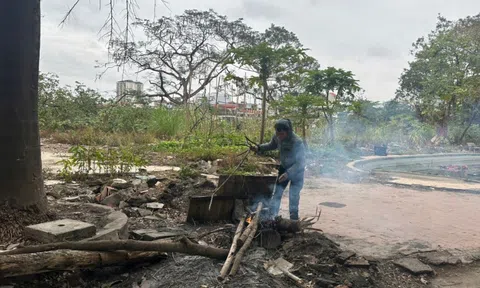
(303, 109)
(322, 83)
(439, 80)
(276, 59)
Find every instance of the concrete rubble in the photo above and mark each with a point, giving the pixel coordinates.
(414, 266)
(60, 230)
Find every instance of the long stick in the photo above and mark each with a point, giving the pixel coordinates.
(238, 257)
(183, 246)
(233, 249)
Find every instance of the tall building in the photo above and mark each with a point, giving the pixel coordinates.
(126, 88)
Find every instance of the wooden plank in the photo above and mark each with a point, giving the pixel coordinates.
(221, 210)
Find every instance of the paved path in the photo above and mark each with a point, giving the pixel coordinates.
(382, 220)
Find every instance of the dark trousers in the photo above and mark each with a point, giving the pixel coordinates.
(296, 185)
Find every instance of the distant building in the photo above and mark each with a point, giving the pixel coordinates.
(127, 89)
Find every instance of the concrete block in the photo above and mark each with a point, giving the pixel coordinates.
(60, 230)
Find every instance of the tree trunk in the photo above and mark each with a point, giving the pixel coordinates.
(20, 165)
(183, 246)
(65, 260)
(470, 122)
(331, 129)
(264, 111)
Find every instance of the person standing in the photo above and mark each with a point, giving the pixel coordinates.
(292, 166)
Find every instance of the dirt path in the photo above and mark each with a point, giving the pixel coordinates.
(379, 220)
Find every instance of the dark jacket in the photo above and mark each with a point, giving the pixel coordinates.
(292, 151)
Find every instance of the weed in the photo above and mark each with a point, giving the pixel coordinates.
(113, 161)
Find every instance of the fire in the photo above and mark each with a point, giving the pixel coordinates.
(249, 219)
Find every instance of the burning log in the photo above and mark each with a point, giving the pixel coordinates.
(248, 241)
(233, 249)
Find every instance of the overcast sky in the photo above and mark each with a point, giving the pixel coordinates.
(372, 38)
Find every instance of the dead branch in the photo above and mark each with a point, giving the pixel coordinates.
(233, 250)
(183, 246)
(241, 252)
(60, 260)
(228, 227)
(295, 226)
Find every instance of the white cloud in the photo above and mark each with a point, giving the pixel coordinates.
(372, 38)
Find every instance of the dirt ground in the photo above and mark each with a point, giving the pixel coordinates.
(377, 221)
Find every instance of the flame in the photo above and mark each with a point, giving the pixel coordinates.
(249, 219)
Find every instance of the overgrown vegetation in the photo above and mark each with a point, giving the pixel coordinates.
(113, 161)
(439, 90)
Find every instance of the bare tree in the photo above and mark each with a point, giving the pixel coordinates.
(183, 54)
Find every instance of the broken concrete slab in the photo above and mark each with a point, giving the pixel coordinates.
(414, 266)
(144, 212)
(60, 230)
(113, 200)
(105, 234)
(155, 205)
(344, 256)
(118, 221)
(439, 258)
(120, 183)
(151, 234)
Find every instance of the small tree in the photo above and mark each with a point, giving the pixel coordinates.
(338, 81)
(276, 58)
(303, 109)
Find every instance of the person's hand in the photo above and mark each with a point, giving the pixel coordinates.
(254, 148)
(283, 177)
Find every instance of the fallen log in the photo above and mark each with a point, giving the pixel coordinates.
(248, 241)
(233, 249)
(183, 246)
(63, 260)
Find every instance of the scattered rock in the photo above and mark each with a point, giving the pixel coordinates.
(137, 201)
(136, 182)
(344, 256)
(155, 205)
(414, 266)
(322, 282)
(151, 217)
(122, 204)
(439, 258)
(105, 192)
(113, 200)
(357, 262)
(120, 183)
(324, 268)
(144, 212)
(310, 259)
(60, 230)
